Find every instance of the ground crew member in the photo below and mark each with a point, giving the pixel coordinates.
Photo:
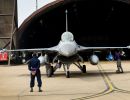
(34, 67)
(118, 58)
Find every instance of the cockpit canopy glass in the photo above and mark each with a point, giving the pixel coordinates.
(67, 36)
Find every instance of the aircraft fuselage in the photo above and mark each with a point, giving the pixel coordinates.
(68, 48)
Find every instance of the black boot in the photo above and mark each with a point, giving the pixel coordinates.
(117, 71)
(31, 89)
(121, 70)
(40, 89)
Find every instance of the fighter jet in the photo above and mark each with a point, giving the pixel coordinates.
(67, 53)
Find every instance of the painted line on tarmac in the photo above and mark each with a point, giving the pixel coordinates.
(108, 90)
(106, 79)
(108, 83)
(110, 86)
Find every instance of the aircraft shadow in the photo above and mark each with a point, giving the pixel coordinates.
(79, 74)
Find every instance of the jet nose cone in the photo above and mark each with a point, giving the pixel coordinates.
(68, 50)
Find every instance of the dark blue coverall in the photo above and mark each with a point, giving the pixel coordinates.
(34, 63)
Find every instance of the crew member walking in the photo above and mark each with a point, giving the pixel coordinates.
(34, 67)
(118, 58)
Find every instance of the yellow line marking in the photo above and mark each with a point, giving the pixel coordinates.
(111, 88)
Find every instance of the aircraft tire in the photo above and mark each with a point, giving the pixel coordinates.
(49, 71)
(84, 69)
(67, 74)
(52, 73)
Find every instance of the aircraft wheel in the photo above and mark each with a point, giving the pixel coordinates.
(67, 74)
(84, 69)
(52, 71)
(49, 71)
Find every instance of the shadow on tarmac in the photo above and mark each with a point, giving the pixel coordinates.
(78, 74)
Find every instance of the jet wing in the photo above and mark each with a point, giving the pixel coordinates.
(51, 49)
(83, 48)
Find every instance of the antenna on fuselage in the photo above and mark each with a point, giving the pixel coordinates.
(66, 12)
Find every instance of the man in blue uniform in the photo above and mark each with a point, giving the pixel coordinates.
(34, 67)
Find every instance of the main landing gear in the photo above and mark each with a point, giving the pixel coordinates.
(50, 69)
(82, 68)
(66, 68)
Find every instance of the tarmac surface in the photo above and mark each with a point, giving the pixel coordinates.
(101, 82)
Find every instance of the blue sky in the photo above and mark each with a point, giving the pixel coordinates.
(27, 7)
